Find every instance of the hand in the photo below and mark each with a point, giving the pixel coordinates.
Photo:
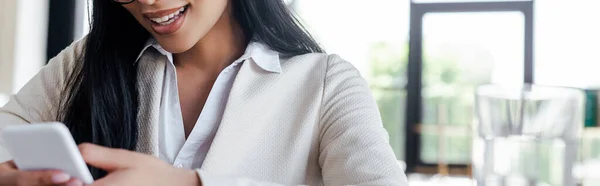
(10, 175)
(131, 168)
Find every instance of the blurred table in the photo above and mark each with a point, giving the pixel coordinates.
(438, 180)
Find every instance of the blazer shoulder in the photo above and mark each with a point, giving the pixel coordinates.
(313, 57)
(39, 99)
(322, 60)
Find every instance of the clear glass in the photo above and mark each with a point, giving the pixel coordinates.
(526, 135)
(460, 52)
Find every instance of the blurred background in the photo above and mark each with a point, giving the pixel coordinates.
(422, 58)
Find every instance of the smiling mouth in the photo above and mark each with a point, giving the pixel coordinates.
(170, 18)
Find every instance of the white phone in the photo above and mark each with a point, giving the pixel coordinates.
(45, 146)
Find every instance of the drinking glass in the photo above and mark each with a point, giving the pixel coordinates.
(526, 135)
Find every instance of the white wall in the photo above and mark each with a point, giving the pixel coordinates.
(567, 43)
(7, 42)
(31, 37)
(22, 43)
(82, 24)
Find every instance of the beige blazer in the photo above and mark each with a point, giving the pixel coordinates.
(315, 123)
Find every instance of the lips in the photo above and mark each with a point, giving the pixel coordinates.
(167, 21)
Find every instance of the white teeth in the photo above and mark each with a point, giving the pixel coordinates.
(165, 20)
(155, 19)
(168, 22)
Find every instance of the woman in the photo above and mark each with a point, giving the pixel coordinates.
(219, 92)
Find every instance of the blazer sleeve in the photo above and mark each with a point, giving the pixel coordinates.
(354, 147)
(39, 99)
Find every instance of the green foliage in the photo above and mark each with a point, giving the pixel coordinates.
(388, 64)
(387, 77)
(448, 86)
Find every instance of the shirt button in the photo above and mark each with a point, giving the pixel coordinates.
(179, 166)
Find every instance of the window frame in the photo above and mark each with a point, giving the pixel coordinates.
(414, 100)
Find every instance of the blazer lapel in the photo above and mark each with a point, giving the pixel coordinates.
(237, 116)
(149, 83)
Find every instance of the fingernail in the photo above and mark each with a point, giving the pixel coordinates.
(60, 178)
(75, 183)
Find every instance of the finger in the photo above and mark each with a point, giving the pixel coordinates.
(34, 178)
(109, 159)
(73, 182)
(114, 179)
(107, 180)
(8, 165)
(8, 177)
(46, 177)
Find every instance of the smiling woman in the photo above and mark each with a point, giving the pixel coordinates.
(222, 92)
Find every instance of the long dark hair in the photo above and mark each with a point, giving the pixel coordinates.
(101, 99)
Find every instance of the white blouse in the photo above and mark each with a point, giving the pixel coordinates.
(190, 153)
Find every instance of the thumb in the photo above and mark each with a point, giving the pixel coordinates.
(108, 159)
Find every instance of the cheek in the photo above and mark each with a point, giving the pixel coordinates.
(201, 19)
(206, 14)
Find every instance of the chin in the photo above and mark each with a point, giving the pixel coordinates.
(175, 45)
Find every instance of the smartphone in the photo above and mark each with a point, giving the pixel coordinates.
(45, 146)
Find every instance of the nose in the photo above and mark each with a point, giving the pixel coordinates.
(148, 2)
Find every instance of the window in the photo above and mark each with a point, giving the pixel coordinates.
(455, 47)
(460, 52)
